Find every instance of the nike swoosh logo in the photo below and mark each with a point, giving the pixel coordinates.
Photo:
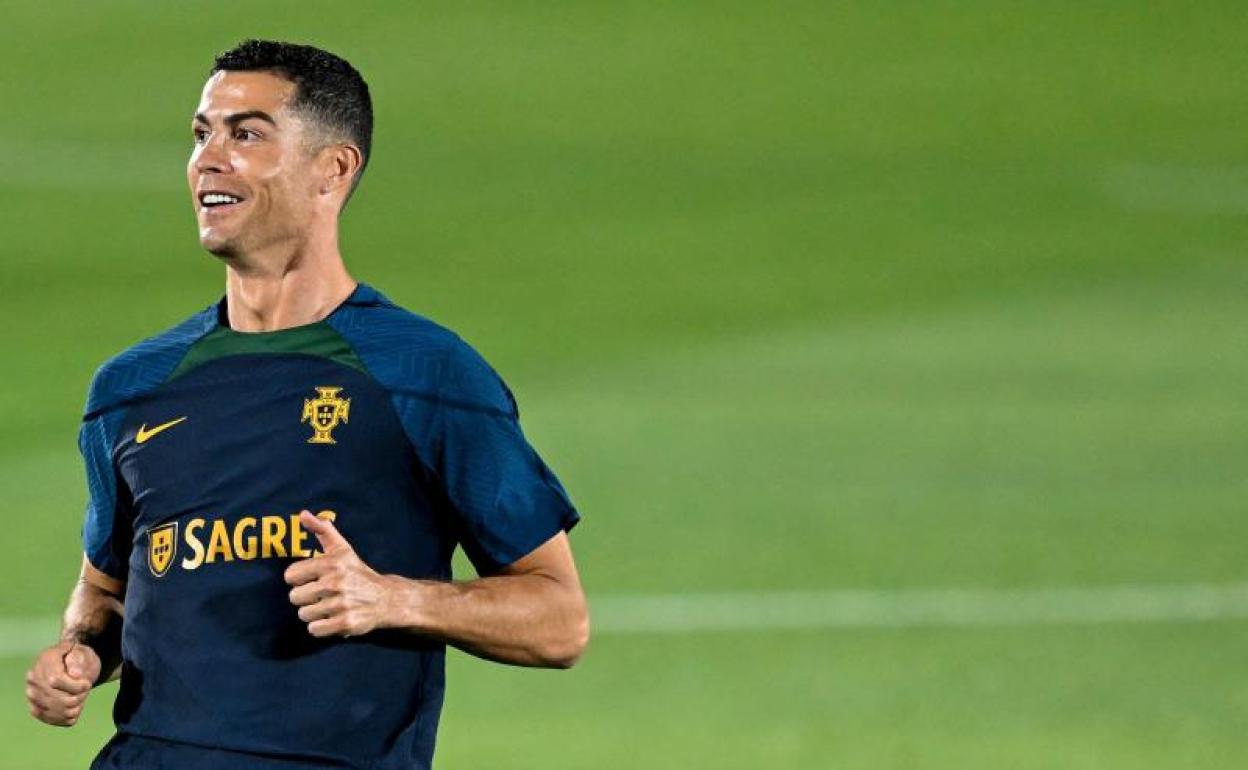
(144, 434)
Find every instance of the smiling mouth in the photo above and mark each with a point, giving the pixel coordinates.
(215, 201)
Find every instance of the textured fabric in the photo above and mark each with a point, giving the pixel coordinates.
(464, 424)
(105, 536)
(377, 418)
(117, 383)
(145, 366)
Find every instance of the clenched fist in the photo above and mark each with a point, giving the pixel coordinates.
(60, 681)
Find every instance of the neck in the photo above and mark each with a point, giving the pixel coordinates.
(281, 290)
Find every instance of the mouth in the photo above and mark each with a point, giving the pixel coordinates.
(213, 201)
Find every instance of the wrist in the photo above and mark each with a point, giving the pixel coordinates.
(404, 604)
(394, 602)
(84, 639)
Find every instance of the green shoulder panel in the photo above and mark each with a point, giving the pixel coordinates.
(316, 339)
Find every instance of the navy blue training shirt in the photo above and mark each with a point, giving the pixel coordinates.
(202, 445)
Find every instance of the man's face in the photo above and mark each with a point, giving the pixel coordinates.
(250, 147)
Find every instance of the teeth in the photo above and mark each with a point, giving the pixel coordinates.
(212, 199)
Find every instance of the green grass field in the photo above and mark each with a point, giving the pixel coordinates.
(801, 296)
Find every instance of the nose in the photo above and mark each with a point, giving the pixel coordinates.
(211, 156)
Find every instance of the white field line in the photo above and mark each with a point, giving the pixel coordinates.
(848, 609)
(697, 613)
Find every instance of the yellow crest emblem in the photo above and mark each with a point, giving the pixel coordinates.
(162, 542)
(324, 413)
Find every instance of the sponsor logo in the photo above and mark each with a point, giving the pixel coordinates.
(216, 541)
(162, 544)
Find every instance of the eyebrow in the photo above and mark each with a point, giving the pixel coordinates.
(238, 117)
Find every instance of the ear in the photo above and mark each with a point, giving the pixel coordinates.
(339, 165)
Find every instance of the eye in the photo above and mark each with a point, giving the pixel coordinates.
(199, 134)
(246, 134)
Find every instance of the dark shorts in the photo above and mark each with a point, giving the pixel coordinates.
(133, 752)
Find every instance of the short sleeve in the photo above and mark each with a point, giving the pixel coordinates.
(505, 500)
(105, 530)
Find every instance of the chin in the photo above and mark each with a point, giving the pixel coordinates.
(220, 247)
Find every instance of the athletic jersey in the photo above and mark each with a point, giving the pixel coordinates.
(202, 445)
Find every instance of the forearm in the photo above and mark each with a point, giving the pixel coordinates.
(531, 614)
(527, 620)
(93, 618)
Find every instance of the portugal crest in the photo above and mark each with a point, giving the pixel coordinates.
(162, 541)
(324, 413)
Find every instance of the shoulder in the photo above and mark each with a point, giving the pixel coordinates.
(145, 365)
(410, 353)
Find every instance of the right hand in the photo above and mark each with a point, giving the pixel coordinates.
(60, 681)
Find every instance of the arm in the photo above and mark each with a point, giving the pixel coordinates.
(94, 616)
(532, 613)
(88, 654)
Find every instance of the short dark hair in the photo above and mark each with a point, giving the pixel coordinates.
(327, 88)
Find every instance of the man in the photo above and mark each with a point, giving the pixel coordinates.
(277, 484)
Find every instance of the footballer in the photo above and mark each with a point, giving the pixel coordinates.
(277, 484)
